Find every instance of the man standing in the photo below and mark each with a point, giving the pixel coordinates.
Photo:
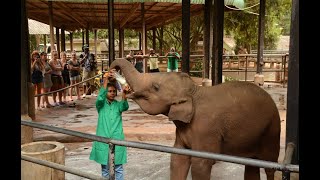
(89, 68)
(173, 58)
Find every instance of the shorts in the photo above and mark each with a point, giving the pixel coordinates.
(87, 75)
(154, 70)
(75, 78)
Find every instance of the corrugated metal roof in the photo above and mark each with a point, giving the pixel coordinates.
(36, 27)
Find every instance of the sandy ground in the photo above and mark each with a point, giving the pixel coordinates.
(139, 127)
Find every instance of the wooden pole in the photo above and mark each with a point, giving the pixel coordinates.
(185, 36)
(51, 26)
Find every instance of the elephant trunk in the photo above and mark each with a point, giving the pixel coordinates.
(133, 77)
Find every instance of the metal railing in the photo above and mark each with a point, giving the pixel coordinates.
(285, 167)
(242, 60)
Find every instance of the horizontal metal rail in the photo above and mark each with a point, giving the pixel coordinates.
(47, 93)
(62, 167)
(154, 147)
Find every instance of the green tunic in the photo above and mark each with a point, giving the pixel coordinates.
(110, 126)
(173, 61)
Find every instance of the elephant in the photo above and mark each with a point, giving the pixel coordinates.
(234, 118)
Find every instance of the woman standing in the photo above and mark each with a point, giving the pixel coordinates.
(47, 83)
(56, 77)
(74, 67)
(37, 70)
(65, 73)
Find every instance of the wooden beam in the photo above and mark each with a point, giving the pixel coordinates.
(126, 17)
(70, 13)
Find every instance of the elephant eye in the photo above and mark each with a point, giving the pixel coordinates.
(156, 86)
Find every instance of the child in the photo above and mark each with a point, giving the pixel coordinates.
(110, 126)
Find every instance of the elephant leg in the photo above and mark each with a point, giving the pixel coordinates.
(180, 164)
(179, 167)
(251, 173)
(201, 168)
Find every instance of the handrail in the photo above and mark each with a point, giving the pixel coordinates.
(161, 148)
(62, 167)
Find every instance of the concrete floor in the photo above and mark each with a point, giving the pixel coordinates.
(140, 127)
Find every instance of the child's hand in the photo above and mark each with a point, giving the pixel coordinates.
(126, 89)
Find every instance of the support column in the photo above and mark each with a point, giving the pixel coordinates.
(218, 16)
(292, 122)
(259, 78)
(206, 40)
(185, 36)
(51, 26)
(71, 41)
(45, 43)
(63, 40)
(58, 41)
(140, 41)
(87, 36)
(121, 42)
(95, 42)
(111, 31)
(25, 69)
(144, 38)
(161, 42)
(82, 38)
(154, 35)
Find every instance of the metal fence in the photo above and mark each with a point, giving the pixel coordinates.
(285, 167)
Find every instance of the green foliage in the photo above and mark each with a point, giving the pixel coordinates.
(243, 25)
(229, 78)
(33, 42)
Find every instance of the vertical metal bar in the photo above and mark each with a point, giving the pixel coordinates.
(206, 40)
(185, 36)
(284, 70)
(216, 73)
(246, 70)
(261, 36)
(111, 31)
(111, 161)
(292, 122)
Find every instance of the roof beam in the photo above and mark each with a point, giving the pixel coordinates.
(70, 13)
(125, 18)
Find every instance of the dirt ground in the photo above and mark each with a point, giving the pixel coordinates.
(139, 127)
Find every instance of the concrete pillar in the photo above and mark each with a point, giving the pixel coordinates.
(26, 131)
(45, 150)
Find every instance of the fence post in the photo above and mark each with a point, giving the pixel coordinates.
(287, 160)
(111, 161)
(245, 72)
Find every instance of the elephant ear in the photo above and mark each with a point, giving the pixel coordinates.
(182, 110)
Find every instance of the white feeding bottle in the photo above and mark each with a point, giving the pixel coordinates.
(120, 79)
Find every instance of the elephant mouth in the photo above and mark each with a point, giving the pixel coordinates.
(137, 95)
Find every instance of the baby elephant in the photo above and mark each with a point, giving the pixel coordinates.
(234, 118)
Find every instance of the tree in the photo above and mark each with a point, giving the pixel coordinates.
(243, 24)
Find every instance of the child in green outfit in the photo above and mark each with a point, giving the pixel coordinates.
(110, 126)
